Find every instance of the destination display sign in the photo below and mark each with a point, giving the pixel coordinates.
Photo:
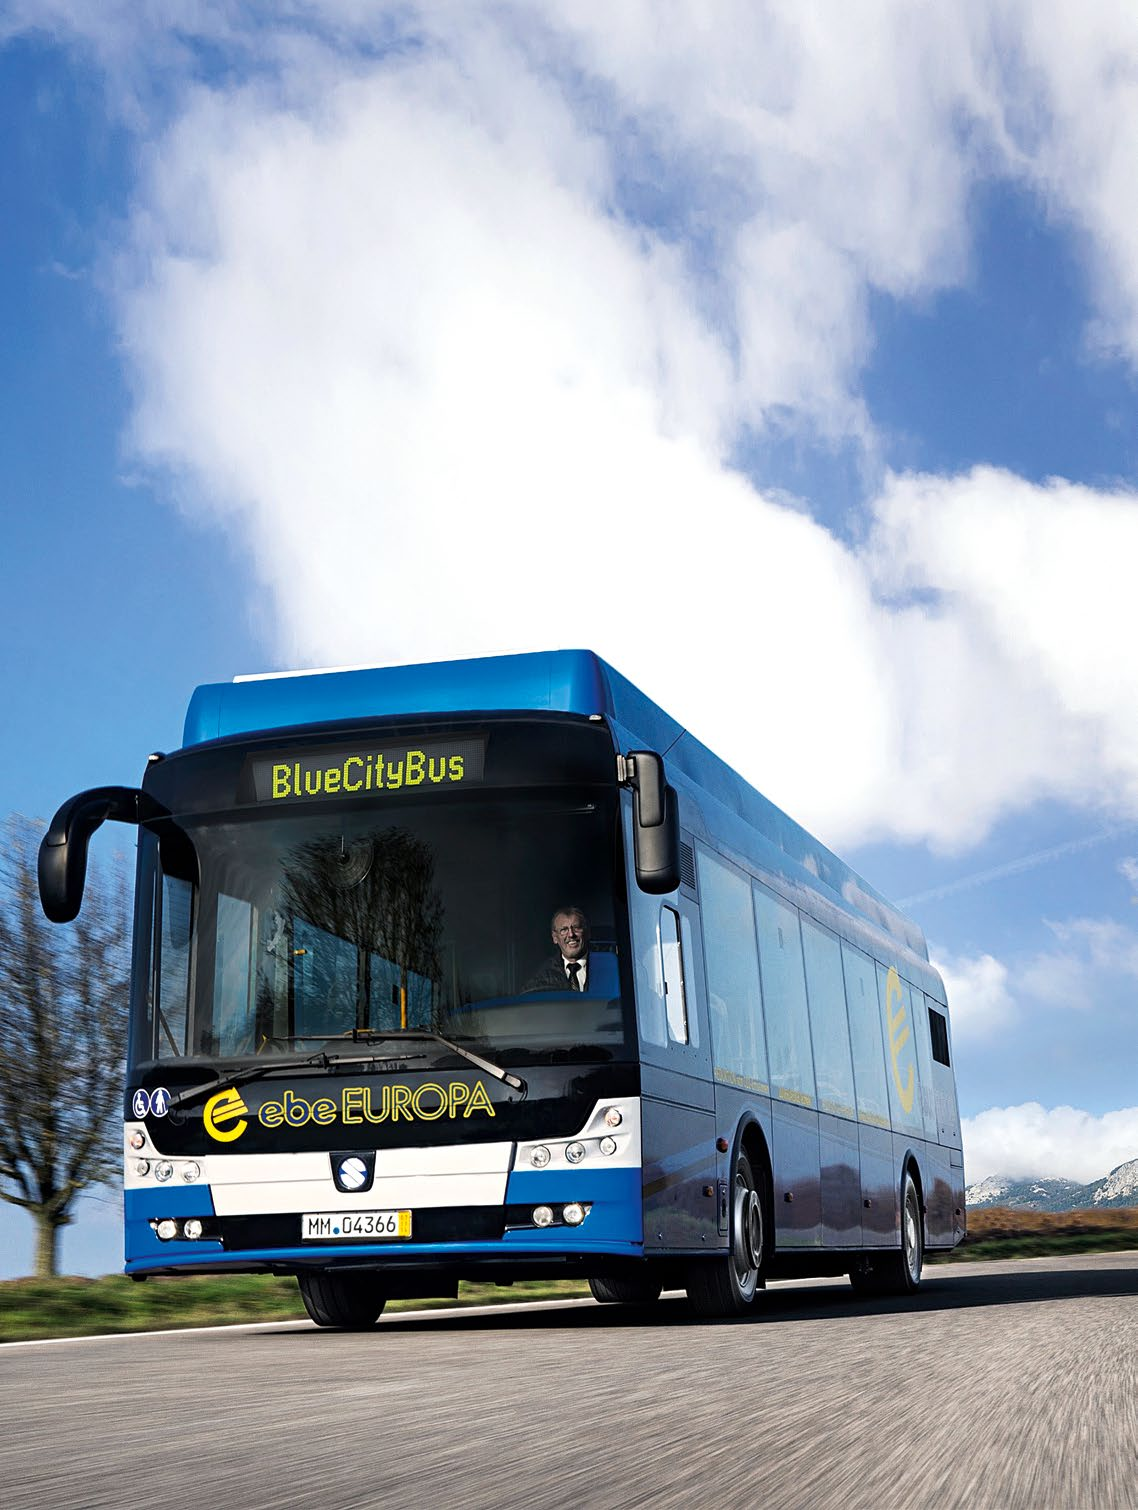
(362, 770)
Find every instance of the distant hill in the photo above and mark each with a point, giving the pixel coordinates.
(1118, 1188)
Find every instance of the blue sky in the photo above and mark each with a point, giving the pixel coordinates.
(333, 332)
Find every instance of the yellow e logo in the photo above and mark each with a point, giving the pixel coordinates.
(898, 1035)
(223, 1108)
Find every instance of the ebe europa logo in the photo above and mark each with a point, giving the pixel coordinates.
(226, 1114)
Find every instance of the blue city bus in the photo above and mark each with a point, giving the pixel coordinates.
(339, 1064)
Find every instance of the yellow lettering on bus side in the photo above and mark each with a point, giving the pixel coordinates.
(351, 1102)
(282, 787)
(351, 786)
(415, 762)
(898, 1037)
(457, 767)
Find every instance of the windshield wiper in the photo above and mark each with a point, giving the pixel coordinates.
(287, 1067)
(424, 1035)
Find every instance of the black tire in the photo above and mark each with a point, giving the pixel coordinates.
(349, 1301)
(728, 1286)
(897, 1272)
(627, 1290)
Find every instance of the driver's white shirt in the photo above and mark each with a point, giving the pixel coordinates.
(582, 970)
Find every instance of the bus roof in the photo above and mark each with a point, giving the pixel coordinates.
(558, 681)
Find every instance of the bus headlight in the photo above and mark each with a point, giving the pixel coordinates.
(137, 1139)
(613, 1117)
(608, 1145)
(574, 1214)
(166, 1229)
(191, 1172)
(542, 1216)
(575, 1152)
(142, 1166)
(192, 1228)
(539, 1156)
(163, 1170)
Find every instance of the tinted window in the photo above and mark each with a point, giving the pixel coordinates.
(829, 1029)
(784, 997)
(865, 1037)
(732, 976)
(938, 1031)
(675, 995)
(174, 964)
(313, 923)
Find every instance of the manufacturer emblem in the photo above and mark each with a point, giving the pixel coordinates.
(353, 1171)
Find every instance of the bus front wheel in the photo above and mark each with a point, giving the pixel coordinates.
(626, 1290)
(349, 1301)
(727, 1286)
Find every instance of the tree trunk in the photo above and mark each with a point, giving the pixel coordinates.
(47, 1246)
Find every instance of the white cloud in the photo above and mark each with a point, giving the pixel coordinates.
(1128, 869)
(978, 996)
(458, 338)
(1096, 959)
(1061, 1142)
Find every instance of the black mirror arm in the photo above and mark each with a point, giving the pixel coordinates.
(63, 850)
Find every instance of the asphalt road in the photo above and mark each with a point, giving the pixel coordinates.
(1003, 1385)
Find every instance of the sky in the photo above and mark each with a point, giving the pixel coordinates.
(782, 353)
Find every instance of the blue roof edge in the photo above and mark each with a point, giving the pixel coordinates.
(563, 681)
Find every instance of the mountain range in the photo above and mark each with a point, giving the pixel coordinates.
(1118, 1188)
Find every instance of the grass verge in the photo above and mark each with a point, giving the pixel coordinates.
(72, 1307)
(999, 1232)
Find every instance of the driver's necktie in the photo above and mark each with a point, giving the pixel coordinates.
(574, 970)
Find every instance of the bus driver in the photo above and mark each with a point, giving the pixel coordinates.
(568, 970)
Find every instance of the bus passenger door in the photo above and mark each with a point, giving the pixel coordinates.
(677, 1107)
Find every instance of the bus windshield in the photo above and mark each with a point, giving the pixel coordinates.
(283, 933)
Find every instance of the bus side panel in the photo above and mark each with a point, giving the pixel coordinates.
(940, 1203)
(880, 1176)
(679, 1164)
(841, 1182)
(797, 1182)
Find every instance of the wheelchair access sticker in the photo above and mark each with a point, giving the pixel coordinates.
(155, 1103)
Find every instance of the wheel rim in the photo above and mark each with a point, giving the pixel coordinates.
(912, 1234)
(748, 1245)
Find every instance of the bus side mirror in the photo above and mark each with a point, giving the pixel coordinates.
(655, 825)
(63, 849)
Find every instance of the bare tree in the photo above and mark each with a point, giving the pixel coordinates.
(63, 1013)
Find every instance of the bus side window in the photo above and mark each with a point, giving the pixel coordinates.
(738, 1038)
(902, 1065)
(865, 1037)
(675, 997)
(174, 975)
(784, 997)
(830, 1033)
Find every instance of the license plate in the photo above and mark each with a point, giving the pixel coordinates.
(354, 1226)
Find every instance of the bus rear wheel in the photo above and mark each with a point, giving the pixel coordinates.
(627, 1290)
(727, 1286)
(897, 1272)
(349, 1301)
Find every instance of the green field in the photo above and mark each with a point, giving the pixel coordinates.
(38, 1308)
